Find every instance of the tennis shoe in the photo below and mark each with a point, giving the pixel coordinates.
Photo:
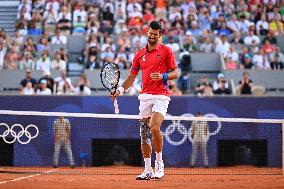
(146, 175)
(159, 169)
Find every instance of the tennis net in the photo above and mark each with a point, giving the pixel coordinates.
(85, 143)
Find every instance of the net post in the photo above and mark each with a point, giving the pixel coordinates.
(283, 148)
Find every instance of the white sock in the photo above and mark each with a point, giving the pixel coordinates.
(159, 156)
(147, 163)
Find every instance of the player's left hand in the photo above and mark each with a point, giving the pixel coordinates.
(156, 76)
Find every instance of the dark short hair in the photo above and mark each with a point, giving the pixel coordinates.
(156, 25)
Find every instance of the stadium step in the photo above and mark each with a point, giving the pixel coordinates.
(8, 15)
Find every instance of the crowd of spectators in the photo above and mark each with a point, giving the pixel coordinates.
(243, 32)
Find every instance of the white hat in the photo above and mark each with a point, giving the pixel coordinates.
(188, 33)
(220, 75)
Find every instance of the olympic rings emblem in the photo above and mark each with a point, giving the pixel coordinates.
(24, 131)
(177, 126)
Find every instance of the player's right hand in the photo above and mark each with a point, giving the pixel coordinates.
(115, 95)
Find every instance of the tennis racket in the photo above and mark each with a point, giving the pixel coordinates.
(110, 77)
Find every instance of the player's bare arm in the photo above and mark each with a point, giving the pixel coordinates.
(126, 84)
(173, 74)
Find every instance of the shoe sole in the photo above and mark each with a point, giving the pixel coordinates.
(146, 178)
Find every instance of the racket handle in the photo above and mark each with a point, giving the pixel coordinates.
(116, 110)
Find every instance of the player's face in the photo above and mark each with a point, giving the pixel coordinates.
(153, 36)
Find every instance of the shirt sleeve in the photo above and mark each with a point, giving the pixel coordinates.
(171, 60)
(135, 65)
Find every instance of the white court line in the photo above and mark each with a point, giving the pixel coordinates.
(30, 176)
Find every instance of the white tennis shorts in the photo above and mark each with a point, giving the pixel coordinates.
(153, 103)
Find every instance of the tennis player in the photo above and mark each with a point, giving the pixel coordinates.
(157, 63)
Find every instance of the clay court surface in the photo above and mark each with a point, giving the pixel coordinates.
(124, 177)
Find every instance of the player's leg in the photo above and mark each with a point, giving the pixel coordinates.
(57, 147)
(159, 111)
(157, 137)
(146, 148)
(68, 150)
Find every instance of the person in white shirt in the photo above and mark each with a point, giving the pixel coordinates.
(82, 90)
(54, 4)
(44, 62)
(173, 45)
(234, 24)
(43, 90)
(262, 23)
(28, 89)
(261, 61)
(64, 84)
(58, 63)
(200, 136)
(223, 46)
(58, 38)
(80, 13)
(251, 37)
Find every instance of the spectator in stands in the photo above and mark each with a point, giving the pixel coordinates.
(63, 54)
(58, 38)
(64, 20)
(232, 54)
(27, 62)
(50, 15)
(189, 44)
(30, 46)
(220, 80)
(120, 9)
(277, 52)
(12, 59)
(58, 63)
(24, 15)
(267, 47)
(22, 26)
(236, 39)
(83, 85)
(244, 24)
(174, 90)
(3, 51)
(251, 37)
(84, 80)
(245, 85)
(17, 39)
(49, 80)
(25, 3)
(233, 24)
(231, 64)
(247, 64)
(206, 45)
(276, 63)
(32, 29)
(43, 44)
(93, 27)
(261, 61)
(223, 46)
(276, 25)
(54, 5)
(28, 89)
(43, 89)
(271, 38)
(64, 84)
(262, 26)
(93, 63)
(28, 78)
(123, 42)
(173, 44)
(44, 62)
(203, 87)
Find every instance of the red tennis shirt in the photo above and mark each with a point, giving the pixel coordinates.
(160, 59)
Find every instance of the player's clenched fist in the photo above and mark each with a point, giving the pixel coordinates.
(156, 76)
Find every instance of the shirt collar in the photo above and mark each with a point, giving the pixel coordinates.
(157, 47)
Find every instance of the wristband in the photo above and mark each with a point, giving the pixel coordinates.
(121, 90)
(165, 78)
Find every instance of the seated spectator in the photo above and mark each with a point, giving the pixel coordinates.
(93, 63)
(49, 80)
(79, 26)
(195, 29)
(189, 44)
(247, 64)
(64, 21)
(218, 82)
(17, 39)
(82, 90)
(276, 52)
(262, 26)
(83, 80)
(222, 89)
(267, 47)
(30, 45)
(43, 90)
(58, 63)
(141, 38)
(12, 59)
(32, 29)
(28, 78)
(173, 45)
(231, 64)
(203, 86)
(276, 25)
(232, 54)
(63, 54)
(271, 38)
(43, 45)
(50, 16)
(237, 39)
(251, 37)
(24, 15)
(3, 51)
(28, 89)
(174, 90)
(234, 25)
(276, 64)
(54, 4)
(261, 61)
(223, 46)
(206, 45)
(64, 84)
(245, 84)
(43, 62)
(223, 30)
(37, 19)
(27, 62)
(58, 38)
(123, 42)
